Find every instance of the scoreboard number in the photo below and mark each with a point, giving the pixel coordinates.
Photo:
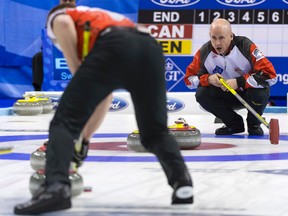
(232, 16)
(202, 17)
(215, 14)
(261, 17)
(276, 17)
(246, 17)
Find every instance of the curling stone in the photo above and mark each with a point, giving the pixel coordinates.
(38, 157)
(47, 105)
(38, 178)
(187, 137)
(28, 107)
(134, 143)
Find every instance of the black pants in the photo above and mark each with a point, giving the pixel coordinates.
(223, 104)
(120, 59)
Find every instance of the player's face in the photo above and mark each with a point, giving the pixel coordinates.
(221, 39)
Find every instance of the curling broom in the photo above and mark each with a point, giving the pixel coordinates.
(273, 125)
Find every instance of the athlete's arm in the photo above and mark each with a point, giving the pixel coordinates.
(66, 36)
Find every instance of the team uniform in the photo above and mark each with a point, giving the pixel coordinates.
(98, 20)
(254, 74)
(121, 56)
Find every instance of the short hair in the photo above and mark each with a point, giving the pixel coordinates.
(60, 6)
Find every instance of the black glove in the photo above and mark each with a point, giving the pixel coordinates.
(80, 151)
(260, 79)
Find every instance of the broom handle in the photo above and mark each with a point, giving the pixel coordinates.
(244, 102)
(86, 38)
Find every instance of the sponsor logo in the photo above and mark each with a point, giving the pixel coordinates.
(61, 71)
(169, 66)
(257, 54)
(118, 104)
(66, 76)
(283, 78)
(60, 63)
(173, 74)
(240, 3)
(174, 105)
(218, 69)
(175, 3)
(55, 102)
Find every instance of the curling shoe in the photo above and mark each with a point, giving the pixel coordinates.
(48, 198)
(255, 130)
(230, 130)
(182, 194)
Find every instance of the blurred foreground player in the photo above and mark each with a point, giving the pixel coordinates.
(82, 143)
(120, 55)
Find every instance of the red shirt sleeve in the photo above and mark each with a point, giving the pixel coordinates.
(260, 64)
(193, 70)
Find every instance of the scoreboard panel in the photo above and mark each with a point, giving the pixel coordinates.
(206, 16)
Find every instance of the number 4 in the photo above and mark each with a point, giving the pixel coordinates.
(246, 16)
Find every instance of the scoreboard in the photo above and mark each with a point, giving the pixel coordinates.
(206, 16)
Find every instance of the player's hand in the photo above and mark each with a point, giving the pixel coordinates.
(214, 80)
(80, 151)
(230, 82)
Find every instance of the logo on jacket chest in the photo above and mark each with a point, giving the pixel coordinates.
(218, 70)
